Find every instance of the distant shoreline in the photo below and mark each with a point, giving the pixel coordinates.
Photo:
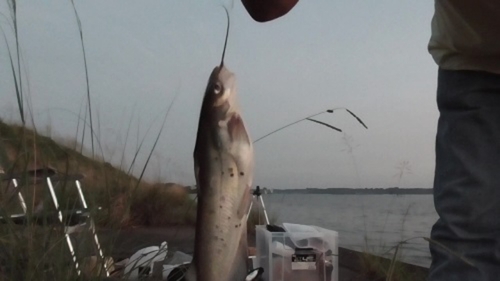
(356, 191)
(345, 191)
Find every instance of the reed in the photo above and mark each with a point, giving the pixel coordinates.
(36, 249)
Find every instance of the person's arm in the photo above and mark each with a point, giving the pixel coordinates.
(268, 10)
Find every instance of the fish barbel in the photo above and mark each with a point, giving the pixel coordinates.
(223, 164)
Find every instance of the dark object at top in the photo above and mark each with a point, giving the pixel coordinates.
(268, 10)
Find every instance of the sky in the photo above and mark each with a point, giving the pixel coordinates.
(365, 55)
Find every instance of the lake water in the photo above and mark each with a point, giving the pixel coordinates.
(372, 223)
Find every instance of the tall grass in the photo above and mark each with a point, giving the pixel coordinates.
(378, 268)
(16, 76)
(36, 249)
(87, 84)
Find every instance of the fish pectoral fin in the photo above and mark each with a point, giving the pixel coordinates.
(254, 274)
(237, 130)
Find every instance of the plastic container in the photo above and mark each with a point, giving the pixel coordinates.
(301, 253)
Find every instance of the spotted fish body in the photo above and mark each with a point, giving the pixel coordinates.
(223, 160)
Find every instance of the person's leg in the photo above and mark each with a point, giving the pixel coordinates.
(467, 178)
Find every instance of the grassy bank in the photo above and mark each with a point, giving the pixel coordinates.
(37, 249)
(125, 200)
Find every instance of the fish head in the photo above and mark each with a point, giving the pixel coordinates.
(220, 95)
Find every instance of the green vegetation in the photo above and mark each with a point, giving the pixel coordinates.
(37, 249)
(104, 185)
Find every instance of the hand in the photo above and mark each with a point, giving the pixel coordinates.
(268, 10)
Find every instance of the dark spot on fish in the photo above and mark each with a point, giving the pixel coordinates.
(222, 198)
(236, 226)
(222, 239)
(230, 170)
(216, 226)
(240, 224)
(242, 174)
(222, 173)
(232, 175)
(220, 206)
(228, 218)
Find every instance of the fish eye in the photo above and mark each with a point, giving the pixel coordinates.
(217, 88)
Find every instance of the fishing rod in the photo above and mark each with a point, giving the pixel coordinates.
(309, 118)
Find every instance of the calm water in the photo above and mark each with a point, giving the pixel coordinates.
(364, 222)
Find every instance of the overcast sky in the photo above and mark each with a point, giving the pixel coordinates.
(367, 55)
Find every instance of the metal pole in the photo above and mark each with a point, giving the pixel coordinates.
(82, 198)
(92, 227)
(20, 196)
(257, 194)
(264, 208)
(250, 209)
(59, 214)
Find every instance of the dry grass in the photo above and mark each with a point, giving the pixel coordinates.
(124, 200)
(380, 269)
(159, 205)
(37, 250)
